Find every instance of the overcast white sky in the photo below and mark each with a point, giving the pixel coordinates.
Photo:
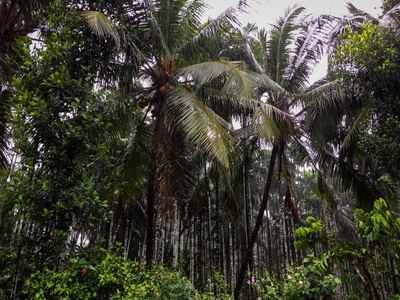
(265, 12)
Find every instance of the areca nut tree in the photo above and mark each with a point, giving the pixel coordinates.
(282, 66)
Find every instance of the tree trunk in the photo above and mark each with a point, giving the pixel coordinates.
(367, 279)
(153, 183)
(150, 210)
(257, 225)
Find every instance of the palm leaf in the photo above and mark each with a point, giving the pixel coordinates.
(101, 25)
(191, 17)
(267, 122)
(251, 57)
(156, 28)
(280, 39)
(240, 84)
(309, 48)
(225, 20)
(322, 96)
(391, 19)
(360, 13)
(352, 134)
(234, 92)
(264, 82)
(354, 21)
(232, 80)
(203, 73)
(176, 20)
(202, 125)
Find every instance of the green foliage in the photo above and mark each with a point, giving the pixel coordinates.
(378, 235)
(312, 280)
(75, 146)
(98, 98)
(369, 48)
(366, 61)
(110, 278)
(378, 225)
(217, 289)
(309, 234)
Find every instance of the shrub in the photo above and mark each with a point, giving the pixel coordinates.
(112, 278)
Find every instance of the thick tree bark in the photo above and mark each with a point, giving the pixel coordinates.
(246, 260)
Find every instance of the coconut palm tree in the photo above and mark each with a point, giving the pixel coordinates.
(178, 85)
(282, 61)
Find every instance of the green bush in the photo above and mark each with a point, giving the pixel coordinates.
(112, 278)
(217, 289)
(310, 281)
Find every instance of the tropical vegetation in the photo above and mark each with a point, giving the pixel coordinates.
(148, 151)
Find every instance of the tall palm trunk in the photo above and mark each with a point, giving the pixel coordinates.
(153, 183)
(247, 258)
(150, 213)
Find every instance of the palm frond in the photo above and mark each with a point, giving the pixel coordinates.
(267, 129)
(177, 20)
(338, 26)
(353, 132)
(202, 125)
(355, 20)
(251, 57)
(263, 39)
(233, 95)
(101, 25)
(322, 96)
(360, 13)
(265, 83)
(203, 73)
(240, 84)
(280, 39)
(232, 80)
(227, 19)
(391, 19)
(309, 48)
(243, 4)
(156, 29)
(191, 15)
(269, 122)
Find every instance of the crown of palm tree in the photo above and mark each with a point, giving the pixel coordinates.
(174, 73)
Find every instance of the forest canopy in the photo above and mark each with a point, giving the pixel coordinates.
(148, 151)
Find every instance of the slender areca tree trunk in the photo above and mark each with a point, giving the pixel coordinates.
(246, 259)
(153, 182)
(150, 212)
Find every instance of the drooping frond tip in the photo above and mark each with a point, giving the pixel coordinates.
(360, 13)
(101, 25)
(201, 124)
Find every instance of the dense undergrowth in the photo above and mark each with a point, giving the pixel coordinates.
(100, 274)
